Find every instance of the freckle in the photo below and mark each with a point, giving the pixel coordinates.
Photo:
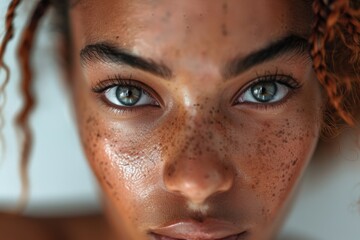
(263, 211)
(89, 119)
(108, 183)
(225, 8)
(224, 30)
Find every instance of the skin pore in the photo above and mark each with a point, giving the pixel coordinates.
(165, 104)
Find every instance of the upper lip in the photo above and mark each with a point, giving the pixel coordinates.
(205, 230)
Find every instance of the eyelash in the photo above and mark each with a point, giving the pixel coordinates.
(114, 81)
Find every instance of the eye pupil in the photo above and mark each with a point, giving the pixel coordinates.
(264, 92)
(128, 95)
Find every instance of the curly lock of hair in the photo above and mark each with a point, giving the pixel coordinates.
(335, 50)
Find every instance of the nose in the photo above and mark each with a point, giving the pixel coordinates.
(198, 177)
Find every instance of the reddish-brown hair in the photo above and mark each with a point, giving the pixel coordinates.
(24, 53)
(335, 50)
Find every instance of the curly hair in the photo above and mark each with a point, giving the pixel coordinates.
(335, 50)
(24, 53)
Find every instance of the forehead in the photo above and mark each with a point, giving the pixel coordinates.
(231, 25)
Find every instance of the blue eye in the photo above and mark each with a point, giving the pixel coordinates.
(129, 96)
(264, 92)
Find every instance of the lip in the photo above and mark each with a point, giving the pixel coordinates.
(210, 229)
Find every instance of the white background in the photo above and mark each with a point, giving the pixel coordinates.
(327, 207)
(60, 179)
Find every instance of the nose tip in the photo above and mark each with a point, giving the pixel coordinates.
(197, 180)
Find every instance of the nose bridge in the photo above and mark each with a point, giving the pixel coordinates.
(198, 135)
(196, 170)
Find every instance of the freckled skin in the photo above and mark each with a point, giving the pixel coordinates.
(241, 161)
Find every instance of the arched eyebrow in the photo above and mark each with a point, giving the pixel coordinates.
(289, 44)
(109, 53)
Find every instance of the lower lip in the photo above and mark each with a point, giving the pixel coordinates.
(240, 236)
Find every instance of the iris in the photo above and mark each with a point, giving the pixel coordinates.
(264, 91)
(128, 95)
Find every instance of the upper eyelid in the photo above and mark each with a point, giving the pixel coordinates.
(104, 85)
(277, 78)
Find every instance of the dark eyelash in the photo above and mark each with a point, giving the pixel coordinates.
(286, 80)
(116, 80)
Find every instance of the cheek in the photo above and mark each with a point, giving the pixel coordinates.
(125, 174)
(276, 154)
(119, 165)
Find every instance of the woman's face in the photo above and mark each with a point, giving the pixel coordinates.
(197, 117)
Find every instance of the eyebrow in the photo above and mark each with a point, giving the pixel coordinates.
(291, 43)
(105, 52)
(109, 53)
